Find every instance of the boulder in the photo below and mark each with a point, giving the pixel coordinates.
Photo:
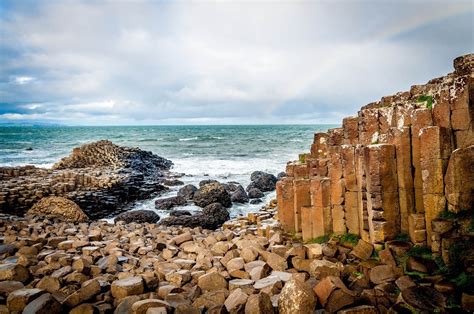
(212, 193)
(212, 281)
(169, 202)
(204, 182)
(255, 193)
(212, 217)
(14, 272)
(263, 181)
(424, 298)
(126, 287)
(19, 299)
(86, 292)
(322, 268)
(142, 306)
(259, 304)
(58, 207)
(187, 191)
(256, 201)
(381, 274)
(8, 286)
(45, 303)
(363, 250)
(177, 213)
(296, 297)
(239, 195)
(281, 175)
(138, 216)
(236, 300)
(172, 182)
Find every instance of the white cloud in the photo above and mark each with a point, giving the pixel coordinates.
(143, 61)
(22, 80)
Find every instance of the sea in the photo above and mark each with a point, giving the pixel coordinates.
(224, 153)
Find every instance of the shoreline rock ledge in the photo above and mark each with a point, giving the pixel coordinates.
(101, 177)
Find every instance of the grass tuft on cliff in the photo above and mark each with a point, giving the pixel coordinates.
(428, 99)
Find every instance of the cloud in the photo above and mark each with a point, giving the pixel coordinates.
(139, 62)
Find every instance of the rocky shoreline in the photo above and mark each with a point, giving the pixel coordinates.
(247, 266)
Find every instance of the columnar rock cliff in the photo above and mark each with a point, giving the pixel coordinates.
(101, 177)
(392, 169)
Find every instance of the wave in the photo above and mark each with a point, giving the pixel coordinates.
(188, 139)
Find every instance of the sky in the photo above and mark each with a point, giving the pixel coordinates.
(131, 62)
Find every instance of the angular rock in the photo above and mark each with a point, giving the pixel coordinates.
(259, 304)
(169, 202)
(381, 274)
(14, 272)
(19, 299)
(45, 303)
(212, 281)
(126, 287)
(212, 193)
(236, 300)
(138, 216)
(187, 192)
(296, 297)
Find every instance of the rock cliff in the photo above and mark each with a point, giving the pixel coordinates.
(401, 166)
(101, 177)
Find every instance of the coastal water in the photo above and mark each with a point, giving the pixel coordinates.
(224, 153)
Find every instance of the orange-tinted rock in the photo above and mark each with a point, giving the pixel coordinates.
(459, 179)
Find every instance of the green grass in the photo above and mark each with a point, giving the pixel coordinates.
(402, 237)
(420, 251)
(302, 158)
(428, 99)
(357, 274)
(320, 240)
(349, 237)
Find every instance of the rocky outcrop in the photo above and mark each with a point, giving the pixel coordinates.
(393, 169)
(102, 178)
(263, 181)
(138, 216)
(211, 217)
(209, 193)
(57, 207)
(169, 202)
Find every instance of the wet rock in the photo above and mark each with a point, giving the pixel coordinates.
(212, 193)
(256, 201)
(208, 181)
(281, 175)
(239, 195)
(172, 182)
(169, 202)
(58, 207)
(212, 217)
(265, 182)
(177, 213)
(45, 303)
(255, 193)
(296, 297)
(138, 216)
(126, 287)
(187, 192)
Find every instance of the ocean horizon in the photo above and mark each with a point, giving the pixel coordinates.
(227, 153)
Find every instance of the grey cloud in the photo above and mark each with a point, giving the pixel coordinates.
(161, 62)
